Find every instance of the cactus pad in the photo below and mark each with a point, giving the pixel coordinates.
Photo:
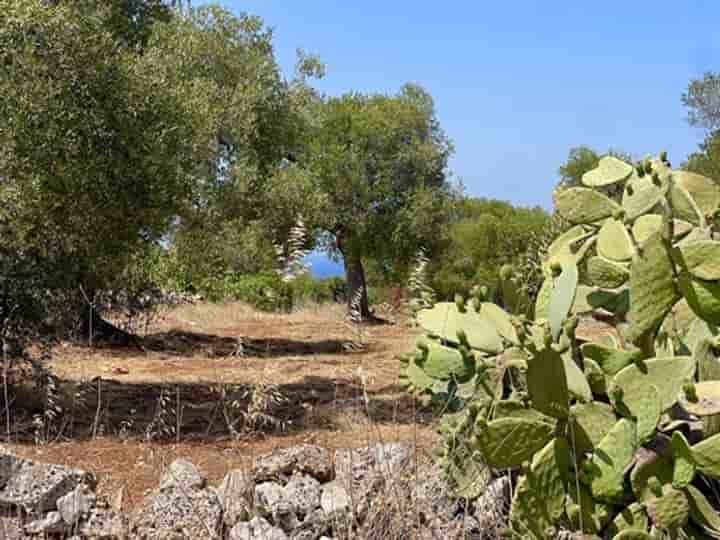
(446, 363)
(501, 320)
(609, 359)
(610, 459)
(668, 375)
(705, 192)
(701, 259)
(591, 422)
(685, 207)
(605, 273)
(508, 442)
(584, 205)
(647, 412)
(413, 377)
(550, 399)
(614, 242)
(648, 224)
(683, 462)
(652, 288)
(703, 297)
(671, 510)
(609, 170)
(577, 383)
(632, 535)
(706, 455)
(708, 362)
(445, 320)
(562, 297)
(641, 195)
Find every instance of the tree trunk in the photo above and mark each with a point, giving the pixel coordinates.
(358, 304)
(357, 298)
(100, 332)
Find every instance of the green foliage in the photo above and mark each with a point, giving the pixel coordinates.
(613, 405)
(484, 235)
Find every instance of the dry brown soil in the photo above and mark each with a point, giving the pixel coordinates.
(345, 396)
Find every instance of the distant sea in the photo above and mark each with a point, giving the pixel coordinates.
(321, 266)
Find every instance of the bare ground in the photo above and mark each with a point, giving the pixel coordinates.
(342, 380)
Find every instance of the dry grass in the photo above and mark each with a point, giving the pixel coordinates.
(350, 398)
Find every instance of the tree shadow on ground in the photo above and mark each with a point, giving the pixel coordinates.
(182, 342)
(181, 411)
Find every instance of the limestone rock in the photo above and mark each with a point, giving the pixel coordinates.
(256, 529)
(50, 523)
(281, 463)
(76, 504)
(36, 487)
(183, 475)
(303, 493)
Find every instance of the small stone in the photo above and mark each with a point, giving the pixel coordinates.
(303, 492)
(281, 463)
(76, 504)
(51, 523)
(182, 474)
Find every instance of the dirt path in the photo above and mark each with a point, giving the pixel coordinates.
(344, 383)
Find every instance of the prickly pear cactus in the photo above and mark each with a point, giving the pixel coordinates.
(617, 435)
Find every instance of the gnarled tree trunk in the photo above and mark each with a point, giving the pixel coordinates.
(357, 299)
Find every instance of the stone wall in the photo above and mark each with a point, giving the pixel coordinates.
(297, 493)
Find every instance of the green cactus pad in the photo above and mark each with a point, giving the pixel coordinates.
(703, 297)
(609, 170)
(652, 288)
(584, 205)
(632, 535)
(549, 474)
(501, 320)
(641, 195)
(632, 518)
(562, 247)
(445, 363)
(444, 320)
(705, 192)
(528, 515)
(508, 442)
(697, 332)
(685, 207)
(591, 422)
(701, 259)
(702, 512)
(668, 375)
(697, 234)
(562, 297)
(414, 378)
(610, 360)
(577, 383)
(469, 476)
(648, 411)
(605, 273)
(614, 242)
(708, 360)
(683, 462)
(650, 465)
(542, 302)
(616, 301)
(550, 399)
(706, 455)
(648, 224)
(671, 510)
(610, 460)
(508, 408)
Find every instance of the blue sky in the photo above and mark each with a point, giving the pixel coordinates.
(516, 84)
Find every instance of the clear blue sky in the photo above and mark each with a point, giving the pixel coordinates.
(516, 84)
